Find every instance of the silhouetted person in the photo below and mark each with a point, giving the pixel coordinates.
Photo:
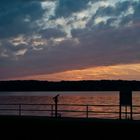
(56, 102)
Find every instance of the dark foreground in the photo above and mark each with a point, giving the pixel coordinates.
(68, 128)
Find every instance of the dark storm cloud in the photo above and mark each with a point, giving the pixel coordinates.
(13, 16)
(67, 7)
(54, 33)
(115, 11)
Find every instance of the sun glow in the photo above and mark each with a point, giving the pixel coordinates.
(125, 72)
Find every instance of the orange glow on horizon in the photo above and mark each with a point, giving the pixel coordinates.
(124, 72)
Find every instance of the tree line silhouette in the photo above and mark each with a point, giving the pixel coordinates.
(91, 85)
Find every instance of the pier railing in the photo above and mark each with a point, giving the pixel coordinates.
(67, 110)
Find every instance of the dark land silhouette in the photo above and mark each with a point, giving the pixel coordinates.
(63, 128)
(96, 85)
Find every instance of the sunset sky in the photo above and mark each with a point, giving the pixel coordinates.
(69, 39)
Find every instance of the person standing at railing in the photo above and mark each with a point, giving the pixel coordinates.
(55, 98)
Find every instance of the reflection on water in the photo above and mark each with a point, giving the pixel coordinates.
(85, 98)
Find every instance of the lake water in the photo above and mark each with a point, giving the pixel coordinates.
(84, 98)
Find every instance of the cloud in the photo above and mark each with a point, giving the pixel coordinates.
(66, 7)
(18, 17)
(20, 52)
(52, 33)
(44, 37)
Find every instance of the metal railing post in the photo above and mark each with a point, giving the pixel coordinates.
(19, 109)
(131, 112)
(125, 112)
(86, 111)
(120, 112)
(52, 110)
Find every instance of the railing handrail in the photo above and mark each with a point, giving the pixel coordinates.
(21, 107)
(23, 104)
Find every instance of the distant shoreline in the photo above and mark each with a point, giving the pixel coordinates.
(95, 85)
